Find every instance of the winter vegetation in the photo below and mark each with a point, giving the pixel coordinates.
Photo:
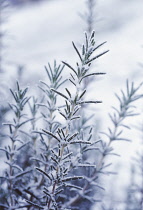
(55, 153)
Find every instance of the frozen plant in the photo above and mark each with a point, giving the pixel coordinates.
(115, 132)
(60, 171)
(64, 161)
(12, 180)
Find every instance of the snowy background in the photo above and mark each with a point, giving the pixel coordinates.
(41, 32)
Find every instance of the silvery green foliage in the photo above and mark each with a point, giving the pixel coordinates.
(125, 110)
(57, 172)
(115, 133)
(12, 178)
(61, 158)
(118, 118)
(55, 80)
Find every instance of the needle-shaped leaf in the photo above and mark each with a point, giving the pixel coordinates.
(51, 134)
(59, 93)
(68, 92)
(99, 46)
(77, 51)
(94, 58)
(90, 102)
(43, 172)
(82, 94)
(69, 67)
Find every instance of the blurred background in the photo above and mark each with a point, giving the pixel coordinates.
(35, 32)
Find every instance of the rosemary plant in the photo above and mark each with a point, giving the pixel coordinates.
(89, 19)
(49, 106)
(60, 158)
(63, 158)
(115, 134)
(12, 178)
(118, 118)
